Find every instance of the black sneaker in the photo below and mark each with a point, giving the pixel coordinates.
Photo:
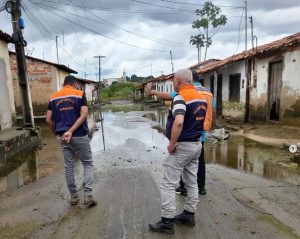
(89, 201)
(165, 225)
(186, 218)
(181, 190)
(202, 191)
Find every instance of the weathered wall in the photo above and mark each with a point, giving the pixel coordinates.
(7, 106)
(61, 75)
(89, 88)
(230, 109)
(290, 95)
(259, 89)
(43, 81)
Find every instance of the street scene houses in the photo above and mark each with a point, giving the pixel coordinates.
(44, 78)
(241, 175)
(259, 84)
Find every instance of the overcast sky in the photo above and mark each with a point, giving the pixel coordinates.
(135, 35)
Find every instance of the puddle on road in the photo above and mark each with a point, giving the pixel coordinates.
(250, 156)
(245, 155)
(237, 152)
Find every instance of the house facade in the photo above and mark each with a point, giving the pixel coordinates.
(275, 88)
(44, 79)
(7, 106)
(260, 84)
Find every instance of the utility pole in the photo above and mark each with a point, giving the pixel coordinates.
(99, 74)
(27, 112)
(246, 27)
(252, 37)
(56, 41)
(84, 68)
(99, 98)
(171, 55)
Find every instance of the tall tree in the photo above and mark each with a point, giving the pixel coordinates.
(208, 25)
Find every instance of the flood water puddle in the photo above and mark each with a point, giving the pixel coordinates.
(132, 121)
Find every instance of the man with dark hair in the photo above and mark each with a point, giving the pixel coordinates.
(201, 165)
(66, 117)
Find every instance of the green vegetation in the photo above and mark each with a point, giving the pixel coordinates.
(280, 227)
(17, 231)
(207, 24)
(118, 91)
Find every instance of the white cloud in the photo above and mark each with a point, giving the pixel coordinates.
(273, 19)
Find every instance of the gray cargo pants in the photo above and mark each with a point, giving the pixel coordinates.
(184, 161)
(80, 147)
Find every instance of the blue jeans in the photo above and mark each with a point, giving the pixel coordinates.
(78, 147)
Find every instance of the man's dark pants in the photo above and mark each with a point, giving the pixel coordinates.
(201, 171)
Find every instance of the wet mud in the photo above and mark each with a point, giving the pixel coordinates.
(240, 203)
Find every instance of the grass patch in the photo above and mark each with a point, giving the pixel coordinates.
(282, 228)
(18, 231)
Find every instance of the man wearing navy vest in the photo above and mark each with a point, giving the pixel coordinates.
(185, 123)
(67, 118)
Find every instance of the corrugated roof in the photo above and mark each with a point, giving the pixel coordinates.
(5, 37)
(59, 66)
(279, 45)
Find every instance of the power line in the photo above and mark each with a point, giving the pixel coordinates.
(183, 10)
(39, 26)
(141, 36)
(161, 6)
(96, 32)
(197, 4)
(114, 9)
(118, 27)
(239, 39)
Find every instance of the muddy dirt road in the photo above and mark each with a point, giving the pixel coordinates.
(127, 175)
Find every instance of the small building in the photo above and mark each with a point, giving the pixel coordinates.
(44, 78)
(110, 81)
(90, 89)
(7, 106)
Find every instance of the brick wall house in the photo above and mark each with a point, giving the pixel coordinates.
(44, 79)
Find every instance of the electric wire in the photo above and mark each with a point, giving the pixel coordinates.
(99, 33)
(239, 38)
(104, 21)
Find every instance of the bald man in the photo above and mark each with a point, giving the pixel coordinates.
(184, 126)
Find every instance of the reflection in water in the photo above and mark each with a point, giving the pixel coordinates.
(160, 117)
(243, 154)
(240, 153)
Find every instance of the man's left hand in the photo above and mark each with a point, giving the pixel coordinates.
(171, 148)
(67, 136)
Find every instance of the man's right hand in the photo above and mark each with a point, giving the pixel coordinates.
(67, 136)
